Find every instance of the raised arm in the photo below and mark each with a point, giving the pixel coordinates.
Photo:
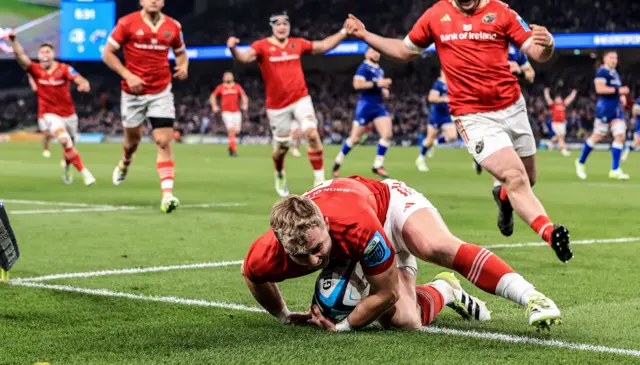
(395, 49)
(329, 43)
(571, 98)
(22, 59)
(247, 56)
(547, 96)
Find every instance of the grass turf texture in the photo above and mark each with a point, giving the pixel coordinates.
(597, 291)
(26, 10)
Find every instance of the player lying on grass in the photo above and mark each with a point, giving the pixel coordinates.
(384, 226)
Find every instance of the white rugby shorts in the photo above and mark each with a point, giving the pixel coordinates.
(281, 120)
(486, 133)
(136, 109)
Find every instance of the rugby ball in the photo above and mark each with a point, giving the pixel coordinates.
(339, 288)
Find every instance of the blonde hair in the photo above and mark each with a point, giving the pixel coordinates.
(291, 219)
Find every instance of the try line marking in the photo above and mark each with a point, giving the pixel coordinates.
(434, 330)
(239, 262)
(84, 207)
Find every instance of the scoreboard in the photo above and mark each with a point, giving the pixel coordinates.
(85, 26)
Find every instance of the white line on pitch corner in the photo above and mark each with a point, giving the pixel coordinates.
(129, 271)
(530, 341)
(73, 210)
(37, 21)
(503, 337)
(55, 204)
(151, 298)
(580, 242)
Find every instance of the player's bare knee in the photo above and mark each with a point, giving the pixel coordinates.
(313, 138)
(163, 142)
(515, 179)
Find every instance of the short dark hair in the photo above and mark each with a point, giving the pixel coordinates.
(47, 44)
(606, 52)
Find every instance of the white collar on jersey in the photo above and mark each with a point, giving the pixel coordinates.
(607, 68)
(371, 64)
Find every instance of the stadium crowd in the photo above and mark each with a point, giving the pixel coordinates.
(332, 92)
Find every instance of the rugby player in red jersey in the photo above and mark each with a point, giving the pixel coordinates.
(472, 38)
(233, 102)
(279, 58)
(146, 37)
(558, 107)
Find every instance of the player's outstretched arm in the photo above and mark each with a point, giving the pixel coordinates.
(329, 43)
(389, 47)
(571, 98)
(269, 297)
(21, 57)
(247, 56)
(547, 96)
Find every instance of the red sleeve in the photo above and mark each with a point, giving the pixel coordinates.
(34, 69)
(516, 29)
(306, 46)
(119, 34)
(267, 262)
(240, 89)
(217, 91)
(178, 39)
(376, 253)
(257, 46)
(419, 38)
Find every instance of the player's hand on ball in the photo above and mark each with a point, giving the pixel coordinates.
(355, 27)
(134, 82)
(321, 321)
(384, 83)
(181, 72)
(232, 42)
(542, 36)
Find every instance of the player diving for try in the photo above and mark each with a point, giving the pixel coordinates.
(558, 108)
(609, 116)
(439, 120)
(383, 225)
(369, 80)
(56, 112)
(485, 98)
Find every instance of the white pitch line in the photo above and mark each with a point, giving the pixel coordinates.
(129, 271)
(435, 330)
(37, 21)
(581, 242)
(151, 298)
(55, 204)
(72, 210)
(213, 205)
(530, 341)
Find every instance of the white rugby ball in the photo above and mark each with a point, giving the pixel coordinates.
(339, 288)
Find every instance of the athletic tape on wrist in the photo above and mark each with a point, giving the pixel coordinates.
(343, 326)
(283, 316)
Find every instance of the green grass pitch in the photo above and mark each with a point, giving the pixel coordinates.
(71, 229)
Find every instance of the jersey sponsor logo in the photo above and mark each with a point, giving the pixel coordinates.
(473, 36)
(445, 18)
(285, 57)
(489, 18)
(153, 47)
(51, 82)
(376, 251)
